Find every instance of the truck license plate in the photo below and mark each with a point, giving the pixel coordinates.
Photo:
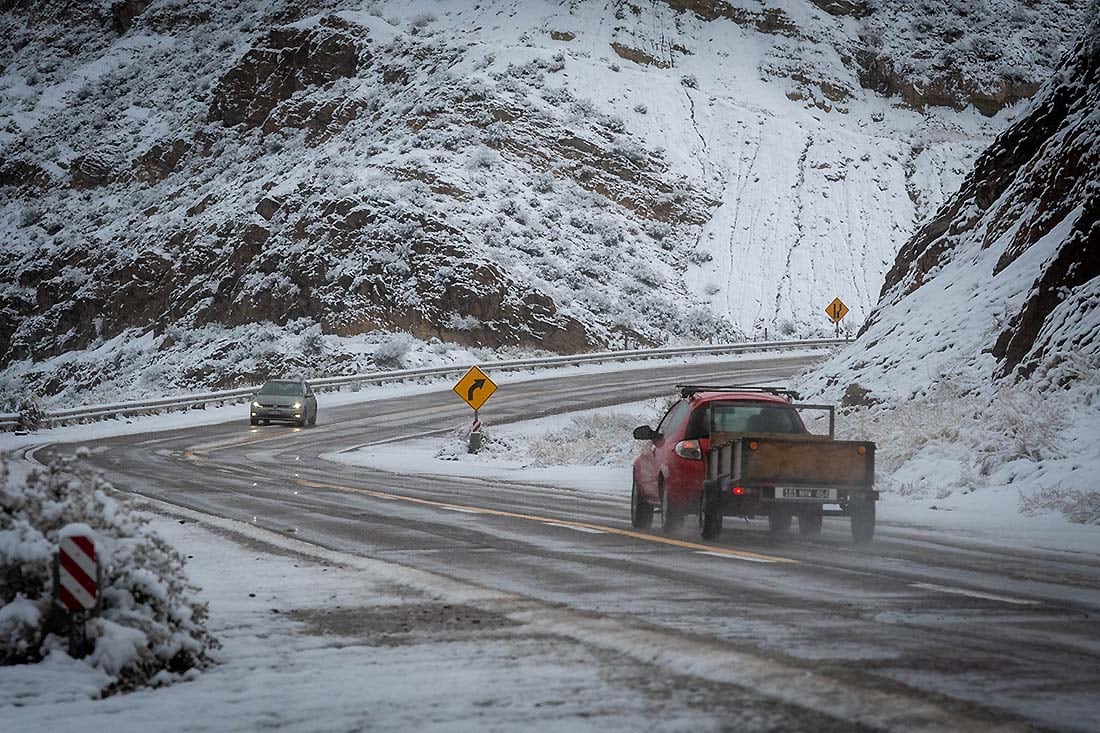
(828, 494)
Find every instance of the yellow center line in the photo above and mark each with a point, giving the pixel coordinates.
(743, 554)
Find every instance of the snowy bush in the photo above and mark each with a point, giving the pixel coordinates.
(313, 341)
(557, 62)
(543, 183)
(149, 630)
(390, 354)
(1076, 505)
(588, 440)
(422, 19)
(462, 323)
(26, 404)
(484, 157)
(959, 436)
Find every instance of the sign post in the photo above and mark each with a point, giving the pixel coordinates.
(77, 586)
(836, 311)
(475, 388)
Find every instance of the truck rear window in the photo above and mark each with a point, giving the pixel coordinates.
(752, 418)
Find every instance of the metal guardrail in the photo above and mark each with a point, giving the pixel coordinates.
(138, 407)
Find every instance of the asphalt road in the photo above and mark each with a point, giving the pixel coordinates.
(916, 631)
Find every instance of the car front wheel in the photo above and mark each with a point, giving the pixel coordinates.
(671, 516)
(641, 513)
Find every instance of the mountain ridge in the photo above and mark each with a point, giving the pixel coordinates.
(495, 177)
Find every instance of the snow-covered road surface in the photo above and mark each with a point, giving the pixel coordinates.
(582, 621)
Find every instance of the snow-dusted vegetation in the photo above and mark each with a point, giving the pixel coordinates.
(596, 438)
(533, 174)
(979, 367)
(150, 628)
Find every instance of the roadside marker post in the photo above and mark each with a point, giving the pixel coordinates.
(77, 574)
(475, 436)
(475, 388)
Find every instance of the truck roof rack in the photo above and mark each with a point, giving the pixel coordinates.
(687, 390)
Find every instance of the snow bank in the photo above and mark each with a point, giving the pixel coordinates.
(149, 629)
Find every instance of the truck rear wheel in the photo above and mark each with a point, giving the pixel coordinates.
(641, 514)
(779, 520)
(809, 521)
(711, 522)
(863, 521)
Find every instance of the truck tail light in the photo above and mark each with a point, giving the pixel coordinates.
(862, 450)
(753, 445)
(689, 449)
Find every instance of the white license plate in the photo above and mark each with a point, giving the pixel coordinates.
(819, 494)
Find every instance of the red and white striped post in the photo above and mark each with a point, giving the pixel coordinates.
(475, 435)
(77, 581)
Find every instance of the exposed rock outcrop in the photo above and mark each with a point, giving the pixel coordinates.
(288, 61)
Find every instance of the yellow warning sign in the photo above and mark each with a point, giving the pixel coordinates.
(475, 388)
(836, 310)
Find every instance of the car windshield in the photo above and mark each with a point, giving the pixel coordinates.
(754, 418)
(282, 388)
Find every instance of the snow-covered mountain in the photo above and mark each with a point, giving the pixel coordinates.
(1003, 283)
(980, 367)
(200, 193)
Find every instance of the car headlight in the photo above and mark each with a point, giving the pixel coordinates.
(297, 405)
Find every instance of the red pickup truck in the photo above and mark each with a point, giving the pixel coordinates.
(745, 451)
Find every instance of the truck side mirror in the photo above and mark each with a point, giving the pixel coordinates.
(643, 432)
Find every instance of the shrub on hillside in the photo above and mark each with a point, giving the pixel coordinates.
(1077, 505)
(150, 629)
(390, 354)
(32, 413)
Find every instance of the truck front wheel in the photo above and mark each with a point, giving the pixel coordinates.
(863, 521)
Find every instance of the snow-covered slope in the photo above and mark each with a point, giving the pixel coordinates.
(556, 175)
(1004, 282)
(981, 364)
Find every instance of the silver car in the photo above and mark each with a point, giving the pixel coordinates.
(284, 400)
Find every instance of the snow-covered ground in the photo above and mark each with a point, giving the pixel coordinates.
(318, 641)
